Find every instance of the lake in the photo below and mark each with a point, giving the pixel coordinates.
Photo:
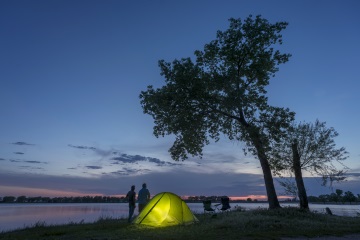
(21, 215)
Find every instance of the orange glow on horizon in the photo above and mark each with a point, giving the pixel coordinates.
(253, 197)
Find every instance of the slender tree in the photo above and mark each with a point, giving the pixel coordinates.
(308, 147)
(223, 92)
(339, 193)
(349, 197)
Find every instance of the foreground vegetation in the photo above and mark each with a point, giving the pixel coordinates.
(257, 224)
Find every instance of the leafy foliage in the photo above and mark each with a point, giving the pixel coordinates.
(223, 91)
(316, 148)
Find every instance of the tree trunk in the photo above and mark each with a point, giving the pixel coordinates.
(304, 204)
(255, 137)
(269, 183)
(268, 179)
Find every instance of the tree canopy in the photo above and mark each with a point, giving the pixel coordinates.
(316, 148)
(223, 92)
(308, 147)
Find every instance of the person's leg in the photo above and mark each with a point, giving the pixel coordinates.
(131, 212)
(141, 206)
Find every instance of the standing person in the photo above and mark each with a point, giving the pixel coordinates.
(131, 197)
(143, 197)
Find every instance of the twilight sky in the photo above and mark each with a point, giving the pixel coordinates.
(71, 73)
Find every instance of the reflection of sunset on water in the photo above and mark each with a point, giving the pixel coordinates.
(22, 215)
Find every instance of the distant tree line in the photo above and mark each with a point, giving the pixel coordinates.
(93, 199)
(339, 196)
(214, 199)
(83, 199)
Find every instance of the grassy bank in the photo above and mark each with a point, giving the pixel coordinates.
(258, 224)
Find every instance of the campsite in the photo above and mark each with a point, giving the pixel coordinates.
(167, 216)
(165, 209)
(222, 100)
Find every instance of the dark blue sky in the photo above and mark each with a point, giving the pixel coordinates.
(71, 73)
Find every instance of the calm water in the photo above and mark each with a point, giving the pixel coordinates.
(14, 216)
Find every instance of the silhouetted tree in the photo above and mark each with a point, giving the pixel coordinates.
(339, 193)
(324, 198)
(223, 92)
(313, 199)
(349, 197)
(9, 199)
(21, 199)
(333, 197)
(308, 147)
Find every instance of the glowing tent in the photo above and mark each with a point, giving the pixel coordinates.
(165, 209)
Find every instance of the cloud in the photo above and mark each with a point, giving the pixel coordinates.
(129, 159)
(81, 147)
(122, 158)
(179, 181)
(29, 161)
(131, 171)
(2, 159)
(104, 153)
(19, 153)
(32, 168)
(23, 143)
(93, 167)
(161, 163)
(125, 158)
(14, 160)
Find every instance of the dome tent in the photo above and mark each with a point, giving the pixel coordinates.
(165, 209)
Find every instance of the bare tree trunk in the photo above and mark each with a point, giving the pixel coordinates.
(304, 204)
(255, 137)
(268, 179)
(269, 183)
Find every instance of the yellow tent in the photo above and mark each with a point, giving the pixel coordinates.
(165, 209)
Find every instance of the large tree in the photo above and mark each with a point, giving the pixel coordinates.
(223, 92)
(308, 147)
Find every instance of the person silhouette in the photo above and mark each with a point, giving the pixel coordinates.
(131, 197)
(143, 197)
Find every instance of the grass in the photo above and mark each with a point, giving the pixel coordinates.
(256, 224)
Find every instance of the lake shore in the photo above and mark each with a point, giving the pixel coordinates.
(15, 216)
(281, 224)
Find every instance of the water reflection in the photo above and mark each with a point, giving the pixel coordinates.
(14, 216)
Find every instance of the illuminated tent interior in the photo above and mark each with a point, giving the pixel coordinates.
(165, 209)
